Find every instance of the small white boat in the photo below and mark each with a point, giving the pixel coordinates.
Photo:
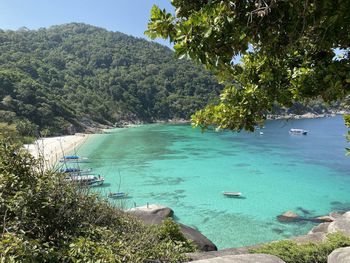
(232, 194)
(76, 171)
(298, 131)
(86, 180)
(117, 195)
(73, 158)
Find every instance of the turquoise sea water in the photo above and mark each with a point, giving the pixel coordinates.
(180, 167)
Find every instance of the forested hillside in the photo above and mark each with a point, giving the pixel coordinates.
(64, 78)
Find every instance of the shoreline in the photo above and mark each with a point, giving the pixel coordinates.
(303, 116)
(52, 149)
(84, 138)
(309, 115)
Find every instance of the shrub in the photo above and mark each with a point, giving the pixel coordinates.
(45, 219)
(291, 252)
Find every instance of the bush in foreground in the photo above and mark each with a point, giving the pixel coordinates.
(45, 219)
(291, 252)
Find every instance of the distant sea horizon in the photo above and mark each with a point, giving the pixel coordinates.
(187, 170)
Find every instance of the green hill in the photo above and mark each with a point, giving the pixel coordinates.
(69, 77)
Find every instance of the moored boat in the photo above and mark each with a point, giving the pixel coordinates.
(117, 195)
(232, 194)
(298, 131)
(76, 171)
(86, 180)
(73, 158)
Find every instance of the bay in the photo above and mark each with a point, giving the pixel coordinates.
(187, 170)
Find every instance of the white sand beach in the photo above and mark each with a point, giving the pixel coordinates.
(52, 149)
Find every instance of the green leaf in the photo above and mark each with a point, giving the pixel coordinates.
(208, 32)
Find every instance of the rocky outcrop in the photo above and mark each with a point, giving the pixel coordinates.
(340, 255)
(288, 216)
(203, 243)
(245, 258)
(321, 228)
(341, 224)
(318, 237)
(338, 223)
(151, 214)
(155, 214)
(335, 215)
(220, 253)
(324, 219)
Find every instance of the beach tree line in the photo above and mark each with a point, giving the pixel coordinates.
(66, 78)
(288, 50)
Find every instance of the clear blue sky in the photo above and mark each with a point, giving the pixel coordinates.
(127, 16)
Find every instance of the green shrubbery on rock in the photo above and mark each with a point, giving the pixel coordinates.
(291, 252)
(45, 219)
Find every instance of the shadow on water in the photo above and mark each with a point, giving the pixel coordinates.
(228, 153)
(304, 211)
(340, 206)
(170, 196)
(120, 198)
(278, 230)
(235, 197)
(105, 185)
(257, 172)
(173, 157)
(157, 180)
(205, 220)
(242, 165)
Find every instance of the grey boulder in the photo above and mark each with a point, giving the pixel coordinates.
(288, 216)
(341, 224)
(152, 209)
(318, 237)
(321, 228)
(203, 243)
(155, 214)
(340, 255)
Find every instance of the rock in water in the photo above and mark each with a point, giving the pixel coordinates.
(340, 255)
(324, 219)
(288, 216)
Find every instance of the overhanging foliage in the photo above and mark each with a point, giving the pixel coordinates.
(287, 48)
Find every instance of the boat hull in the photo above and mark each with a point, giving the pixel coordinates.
(232, 194)
(117, 195)
(298, 132)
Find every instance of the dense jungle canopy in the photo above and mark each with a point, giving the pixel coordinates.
(69, 77)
